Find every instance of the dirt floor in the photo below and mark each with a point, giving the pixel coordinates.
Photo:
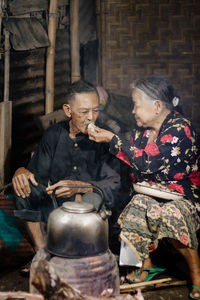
(178, 288)
(11, 280)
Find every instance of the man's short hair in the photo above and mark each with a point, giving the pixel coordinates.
(79, 87)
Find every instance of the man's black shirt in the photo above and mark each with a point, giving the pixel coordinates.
(59, 157)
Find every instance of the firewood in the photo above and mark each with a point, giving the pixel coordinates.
(157, 283)
(19, 296)
(48, 283)
(133, 286)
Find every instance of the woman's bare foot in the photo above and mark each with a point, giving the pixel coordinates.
(192, 258)
(142, 275)
(195, 277)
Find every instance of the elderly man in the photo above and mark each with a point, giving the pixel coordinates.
(65, 156)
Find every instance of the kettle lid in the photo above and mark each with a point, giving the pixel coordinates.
(79, 208)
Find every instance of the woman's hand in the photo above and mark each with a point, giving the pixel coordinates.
(67, 192)
(20, 182)
(100, 135)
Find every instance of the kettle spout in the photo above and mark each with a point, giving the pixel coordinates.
(105, 214)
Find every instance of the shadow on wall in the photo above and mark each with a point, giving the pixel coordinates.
(116, 111)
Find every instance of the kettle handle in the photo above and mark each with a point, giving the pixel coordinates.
(79, 186)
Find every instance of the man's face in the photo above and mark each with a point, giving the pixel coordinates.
(84, 110)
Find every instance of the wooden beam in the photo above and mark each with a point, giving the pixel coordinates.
(5, 138)
(51, 56)
(1, 17)
(6, 66)
(75, 44)
(5, 119)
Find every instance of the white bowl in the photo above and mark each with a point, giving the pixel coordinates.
(157, 192)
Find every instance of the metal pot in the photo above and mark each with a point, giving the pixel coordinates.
(77, 230)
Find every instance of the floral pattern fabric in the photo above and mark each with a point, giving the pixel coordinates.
(172, 159)
(144, 221)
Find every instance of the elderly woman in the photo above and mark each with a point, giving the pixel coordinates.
(163, 151)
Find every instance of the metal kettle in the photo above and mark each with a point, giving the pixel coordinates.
(77, 229)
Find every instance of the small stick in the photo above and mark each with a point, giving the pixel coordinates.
(134, 286)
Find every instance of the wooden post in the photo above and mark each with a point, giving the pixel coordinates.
(75, 44)
(6, 66)
(5, 118)
(99, 34)
(51, 56)
(1, 16)
(102, 43)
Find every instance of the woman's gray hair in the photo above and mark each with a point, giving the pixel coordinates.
(158, 88)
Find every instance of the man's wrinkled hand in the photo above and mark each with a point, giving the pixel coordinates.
(67, 192)
(20, 182)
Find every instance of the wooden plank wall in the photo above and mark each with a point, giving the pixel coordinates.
(27, 92)
(144, 37)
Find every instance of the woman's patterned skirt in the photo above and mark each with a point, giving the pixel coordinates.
(145, 220)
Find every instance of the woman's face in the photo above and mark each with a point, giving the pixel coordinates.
(144, 110)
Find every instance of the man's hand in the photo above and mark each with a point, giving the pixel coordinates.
(20, 182)
(67, 192)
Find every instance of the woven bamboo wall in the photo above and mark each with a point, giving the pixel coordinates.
(140, 37)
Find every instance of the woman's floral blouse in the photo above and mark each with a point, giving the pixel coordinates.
(172, 159)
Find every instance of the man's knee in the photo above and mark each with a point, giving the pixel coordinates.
(35, 206)
(34, 200)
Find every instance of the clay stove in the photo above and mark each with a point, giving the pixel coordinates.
(93, 276)
(77, 251)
